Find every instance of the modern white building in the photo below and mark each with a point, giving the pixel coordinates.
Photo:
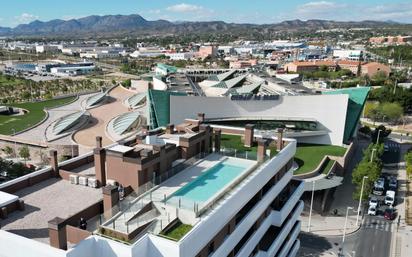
(255, 212)
(180, 56)
(355, 55)
(46, 48)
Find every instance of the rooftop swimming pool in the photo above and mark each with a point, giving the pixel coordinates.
(210, 183)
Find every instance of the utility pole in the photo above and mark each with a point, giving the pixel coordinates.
(373, 151)
(360, 200)
(311, 205)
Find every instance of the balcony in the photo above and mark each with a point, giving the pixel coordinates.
(285, 202)
(274, 239)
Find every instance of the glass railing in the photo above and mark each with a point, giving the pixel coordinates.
(123, 217)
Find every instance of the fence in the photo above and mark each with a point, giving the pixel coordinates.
(127, 216)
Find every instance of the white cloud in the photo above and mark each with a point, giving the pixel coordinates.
(185, 8)
(353, 12)
(319, 10)
(25, 18)
(394, 11)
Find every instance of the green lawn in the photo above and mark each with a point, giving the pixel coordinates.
(235, 142)
(308, 156)
(35, 115)
(177, 231)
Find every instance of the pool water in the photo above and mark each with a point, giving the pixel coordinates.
(208, 184)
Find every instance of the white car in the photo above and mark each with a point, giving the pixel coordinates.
(373, 202)
(372, 210)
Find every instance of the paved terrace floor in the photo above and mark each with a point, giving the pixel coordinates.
(45, 201)
(101, 116)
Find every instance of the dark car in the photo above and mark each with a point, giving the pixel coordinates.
(389, 214)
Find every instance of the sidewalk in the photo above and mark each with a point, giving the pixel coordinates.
(402, 239)
(330, 225)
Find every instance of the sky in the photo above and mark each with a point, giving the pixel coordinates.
(239, 11)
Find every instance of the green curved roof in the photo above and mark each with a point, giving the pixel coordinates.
(125, 122)
(357, 99)
(67, 122)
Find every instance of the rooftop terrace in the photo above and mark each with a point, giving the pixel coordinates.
(45, 201)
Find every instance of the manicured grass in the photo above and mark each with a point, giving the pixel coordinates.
(178, 231)
(235, 142)
(35, 115)
(308, 156)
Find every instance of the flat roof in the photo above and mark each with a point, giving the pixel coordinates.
(6, 198)
(120, 148)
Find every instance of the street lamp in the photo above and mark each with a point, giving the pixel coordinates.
(377, 139)
(360, 200)
(311, 205)
(15, 143)
(373, 151)
(346, 221)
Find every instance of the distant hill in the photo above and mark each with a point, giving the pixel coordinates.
(135, 24)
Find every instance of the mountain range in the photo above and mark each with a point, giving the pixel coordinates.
(135, 24)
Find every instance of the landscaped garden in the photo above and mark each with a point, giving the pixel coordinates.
(235, 142)
(177, 231)
(35, 115)
(309, 156)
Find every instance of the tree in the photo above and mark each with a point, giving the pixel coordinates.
(24, 152)
(392, 111)
(369, 169)
(370, 109)
(408, 160)
(127, 83)
(8, 150)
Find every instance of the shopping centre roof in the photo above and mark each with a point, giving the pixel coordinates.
(125, 122)
(95, 99)
(357, 99)
(67, 122)
(136, 100)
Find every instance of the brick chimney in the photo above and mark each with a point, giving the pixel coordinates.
(249, 135)
(201, 117)
(110, 199)
(279, 142)
(54, 163)
(57, 233)
(207, 138)
(261, 150)
(218, 134)
(170, 129)
(99, 154)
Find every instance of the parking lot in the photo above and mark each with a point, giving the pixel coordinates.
(379, 200)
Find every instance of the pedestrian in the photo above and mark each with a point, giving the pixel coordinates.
(83, 224)
(120, 189)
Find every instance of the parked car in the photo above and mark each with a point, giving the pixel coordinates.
(379, 186)
(372, 210)
(393, 184)
(373, 201)
(389, 214)
(390, 197)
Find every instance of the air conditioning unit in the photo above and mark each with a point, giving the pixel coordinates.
(74, 179)
(92, 182)
(83, 181)
(112, 182)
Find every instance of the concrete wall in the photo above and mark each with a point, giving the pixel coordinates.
(328, 110)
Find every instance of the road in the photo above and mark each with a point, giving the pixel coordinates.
(373, 239)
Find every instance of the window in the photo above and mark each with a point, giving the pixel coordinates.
(211, 248)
